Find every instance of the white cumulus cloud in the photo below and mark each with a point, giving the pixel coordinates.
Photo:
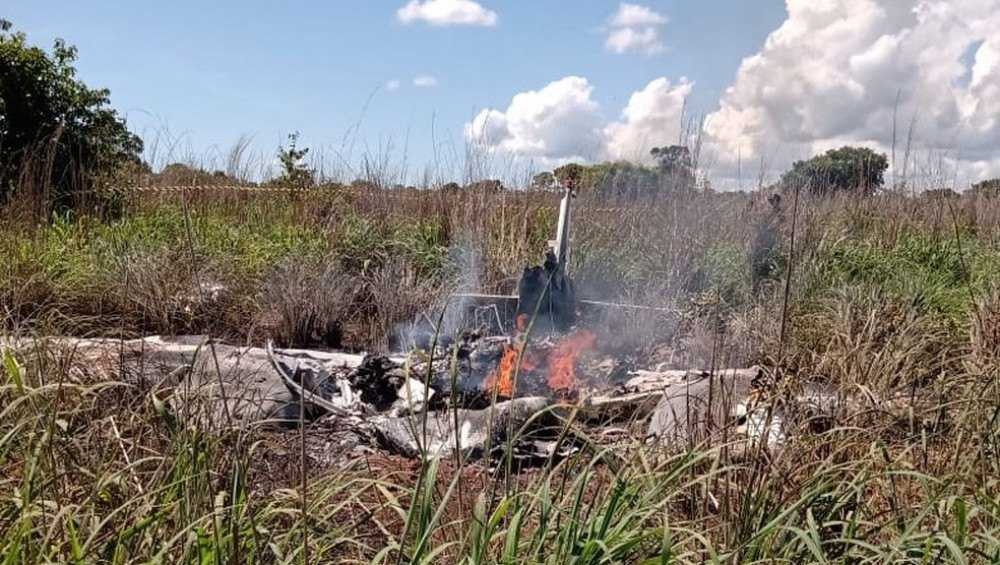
(652, 118)
(842, 71)
(836, 72)
(558, 121)
(392, 85)
(447, 13)
(635, 28)
(562, 122)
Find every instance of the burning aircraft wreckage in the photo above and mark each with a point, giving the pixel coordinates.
(540, 389)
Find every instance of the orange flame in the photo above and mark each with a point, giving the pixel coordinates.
(562, 360)
(559, 362)
(501, 379)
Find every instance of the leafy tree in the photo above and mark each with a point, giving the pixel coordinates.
(848, 169)
(569, 175)
(295, 173)
(55, 131)
(675, 166)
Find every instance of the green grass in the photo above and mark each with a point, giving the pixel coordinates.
(934, 274)
(72, 250)
(362, 242)
(882, 303)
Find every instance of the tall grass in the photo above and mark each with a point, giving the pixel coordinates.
(96, 470)
(892, 300)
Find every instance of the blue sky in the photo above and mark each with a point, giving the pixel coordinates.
(614, 76)
(212, 71)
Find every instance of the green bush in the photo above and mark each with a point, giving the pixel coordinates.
(294, 172)
(55, 132)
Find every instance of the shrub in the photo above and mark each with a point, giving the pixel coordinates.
(294, 172)
(57, 135)
(306, 302)
(181, 174)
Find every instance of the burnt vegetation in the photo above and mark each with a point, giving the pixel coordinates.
(885, 296)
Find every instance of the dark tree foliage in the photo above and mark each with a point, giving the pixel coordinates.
(183, 174)
(620, 180)
(848, 169)
(570, 175)
(673, 157)
(987, 188)
(675, 166)
(55, 132)
(672, 174)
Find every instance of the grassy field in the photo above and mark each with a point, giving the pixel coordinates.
(890, 295)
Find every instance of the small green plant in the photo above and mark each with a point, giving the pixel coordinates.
(295, 173)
